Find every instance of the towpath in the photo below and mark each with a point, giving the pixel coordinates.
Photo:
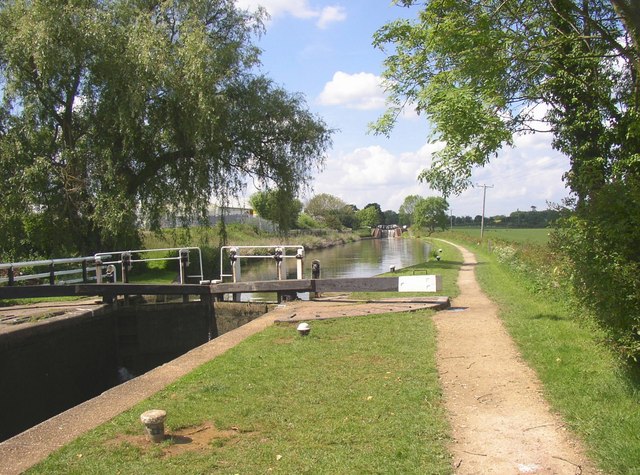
(501, 423)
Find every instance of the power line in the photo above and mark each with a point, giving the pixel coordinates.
(484, 199)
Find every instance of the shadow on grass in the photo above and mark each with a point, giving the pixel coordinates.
(549, 316)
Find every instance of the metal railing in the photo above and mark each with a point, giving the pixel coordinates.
(279, 255)
(97, 268)
(14, 273)
(127, 259)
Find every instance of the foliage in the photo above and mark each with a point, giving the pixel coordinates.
(331, 211)
(278, 206)
(306, 222)
(431, 213)
(369, 217)
(391, 217)
(116, 113)
(485, 70)
(606, 265)
(406, 209)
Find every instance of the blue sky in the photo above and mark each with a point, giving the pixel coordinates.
(323, 50)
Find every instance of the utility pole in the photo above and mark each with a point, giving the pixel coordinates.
(484, 199)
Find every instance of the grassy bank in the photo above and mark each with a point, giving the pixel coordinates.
(358, 395)
(520, 235)
(596, 393)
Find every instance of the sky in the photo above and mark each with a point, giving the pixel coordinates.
(323, 49)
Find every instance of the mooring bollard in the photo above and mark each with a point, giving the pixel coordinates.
(153, 421)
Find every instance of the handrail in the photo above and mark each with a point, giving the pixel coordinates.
(101, 255)
(299, 252)
(96, 261)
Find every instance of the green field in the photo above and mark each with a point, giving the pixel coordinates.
(522, 235)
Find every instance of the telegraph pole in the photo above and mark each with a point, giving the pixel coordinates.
(484, 199)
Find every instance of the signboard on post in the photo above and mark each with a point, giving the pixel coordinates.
(420, 283)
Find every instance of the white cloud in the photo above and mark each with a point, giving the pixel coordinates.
(355, 91)
(331, 14)
(297, 9)
(527, 175)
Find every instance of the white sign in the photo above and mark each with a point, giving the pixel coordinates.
(420, 283)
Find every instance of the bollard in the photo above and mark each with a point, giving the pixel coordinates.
(304, 329)
(153, 421)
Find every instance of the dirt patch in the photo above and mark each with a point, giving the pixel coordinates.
(190, 439)
(500, 421)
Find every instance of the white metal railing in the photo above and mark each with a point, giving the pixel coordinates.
(52, 274)
(236, 253)
(100, 265)
(126, 259)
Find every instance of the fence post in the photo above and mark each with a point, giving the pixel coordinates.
(11, 276)
(184, 263)
(98, 263)
(125, 259)
(52, 274)
(84, 271)
(300, 263)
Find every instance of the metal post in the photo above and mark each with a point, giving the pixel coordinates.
(52, 274)
(98, 270)
(125, 259)
(315, 273)
(300, 263)
(278, 256)
(184, 263)
(234, 254)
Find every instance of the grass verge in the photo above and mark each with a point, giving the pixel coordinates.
(598, 397)
(358, 395)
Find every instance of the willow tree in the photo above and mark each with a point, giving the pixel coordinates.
(121, 112)
(485, 70)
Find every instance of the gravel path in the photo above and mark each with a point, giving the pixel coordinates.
(501, 423)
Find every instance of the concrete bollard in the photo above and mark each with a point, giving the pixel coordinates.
(153, 421)
(304, 329)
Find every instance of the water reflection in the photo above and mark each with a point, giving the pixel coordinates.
(364, 258)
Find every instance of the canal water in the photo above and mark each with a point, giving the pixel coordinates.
(364, 258)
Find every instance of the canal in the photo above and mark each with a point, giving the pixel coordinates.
(364, 258)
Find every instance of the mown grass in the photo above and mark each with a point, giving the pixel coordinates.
(358, 395)
(598, 396)
(520, 235)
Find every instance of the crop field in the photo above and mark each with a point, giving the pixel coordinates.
(522, 235)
